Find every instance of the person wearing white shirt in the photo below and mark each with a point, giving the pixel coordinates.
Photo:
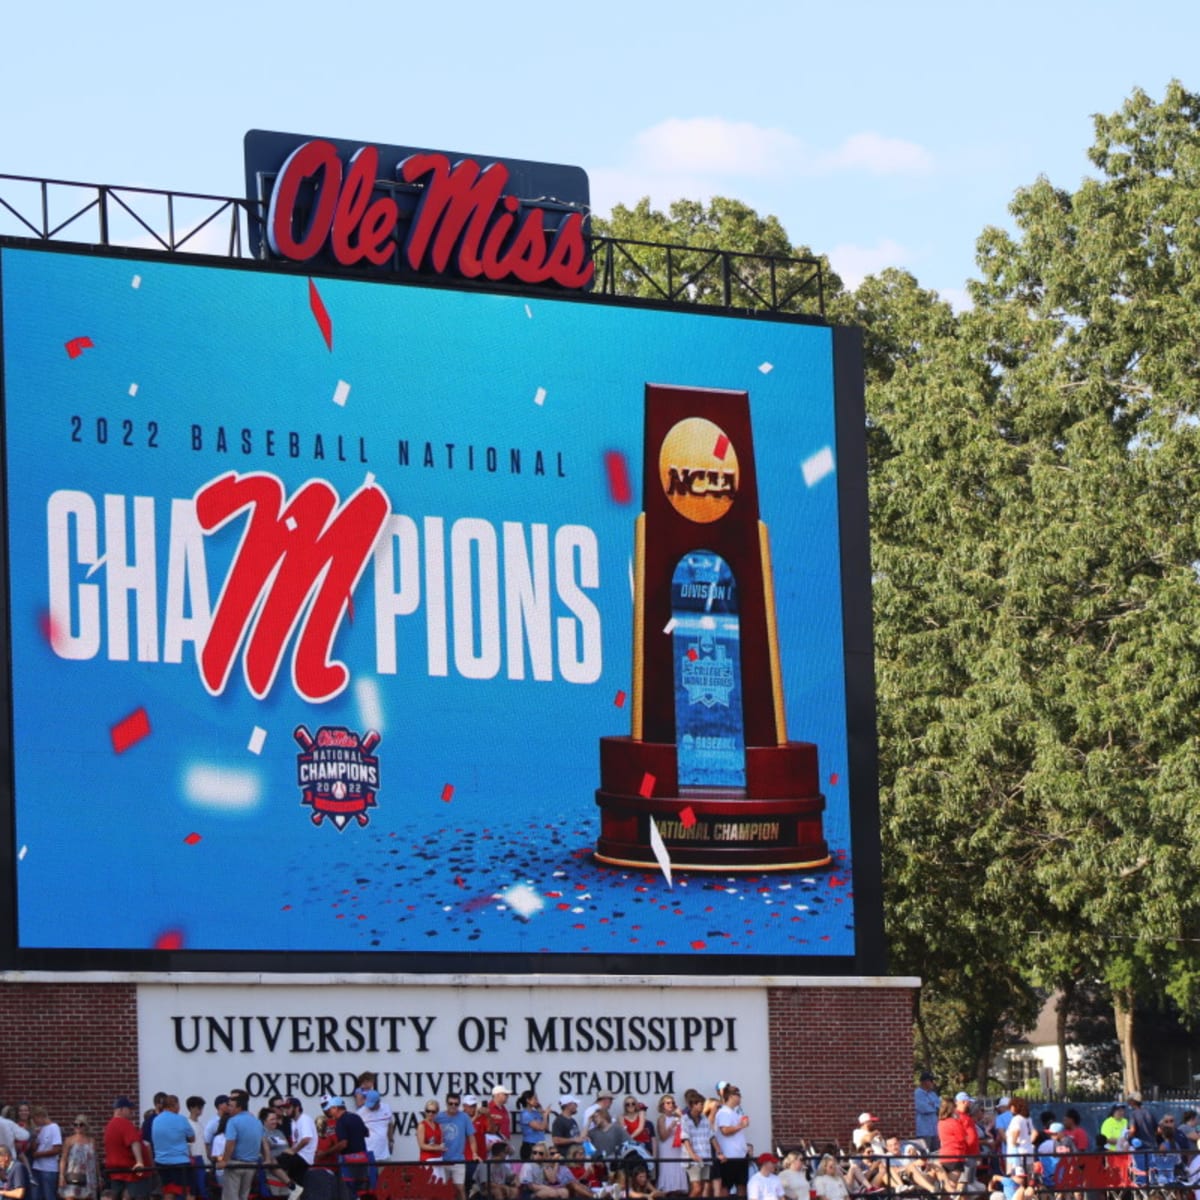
(304, 1131)
(377, 1117)
(730, 1131)
(765, 1184)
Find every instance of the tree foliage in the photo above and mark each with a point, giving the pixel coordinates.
(1034, 488)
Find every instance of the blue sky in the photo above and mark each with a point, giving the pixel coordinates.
(882, 134)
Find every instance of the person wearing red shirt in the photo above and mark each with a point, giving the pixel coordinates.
(480, 1119)
(499, 1118)
(959, 1136)
(124, 1154)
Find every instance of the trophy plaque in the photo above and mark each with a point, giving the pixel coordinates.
(708, 757)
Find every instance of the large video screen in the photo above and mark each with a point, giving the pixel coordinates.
(320, 599)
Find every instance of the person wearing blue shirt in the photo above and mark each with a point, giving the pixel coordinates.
(926, 1102)
(170, 1135)
(243, 1144)
(457, 1139)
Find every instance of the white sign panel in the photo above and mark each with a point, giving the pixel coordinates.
(425, 1041)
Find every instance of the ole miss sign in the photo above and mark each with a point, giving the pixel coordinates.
(403, 210)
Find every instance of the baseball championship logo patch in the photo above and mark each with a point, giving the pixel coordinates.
(338, 774)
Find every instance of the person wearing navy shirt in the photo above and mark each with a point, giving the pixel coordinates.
(351, 1145)
(457, 1141)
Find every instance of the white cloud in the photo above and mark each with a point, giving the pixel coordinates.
(854, 263)
(713, 145)
(879, 155)
(959, 299)
(699, 157)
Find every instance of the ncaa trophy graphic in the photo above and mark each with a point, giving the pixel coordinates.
(708, 758)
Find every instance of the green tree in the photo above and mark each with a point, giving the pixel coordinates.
(1087, 317)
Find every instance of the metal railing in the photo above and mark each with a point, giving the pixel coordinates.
(177, 223)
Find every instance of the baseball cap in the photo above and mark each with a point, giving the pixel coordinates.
(371, 1097)
(124, 1102)
(605, 1095)
(864, 1117)
(1057, 1127)
(1004, 1102)
(766, 1158)
(566, 1099)
(961, 1096)
(500, 1090)
(469, 1100)
(926, 1075)
(292, 1102)
(333, 1102)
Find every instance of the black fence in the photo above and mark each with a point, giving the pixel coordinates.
(179, 223)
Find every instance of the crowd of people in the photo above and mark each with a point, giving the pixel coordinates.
(480, 1148)
(466, 1144)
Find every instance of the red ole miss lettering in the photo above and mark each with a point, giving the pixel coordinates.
(463, 218)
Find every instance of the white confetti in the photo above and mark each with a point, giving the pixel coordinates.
(291, 524)
(660, 852)
(133, 389)
(529, 312)
(577, 910)
(818, 466)
(766, 368)
(369, 481)
(340, 393)
(560, 874)
(258, 737)
(539, 397)
(670, 625)
(24, 851)
(136, 281)
(523, 900)
(800, 907)
(95, 567)
(206, 785)
(370, 707)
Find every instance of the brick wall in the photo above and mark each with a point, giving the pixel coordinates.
(836, 1052)
(69, 1046)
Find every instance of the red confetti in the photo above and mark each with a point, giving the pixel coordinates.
(130, 730)
(459, 881)
(49, 628)
(448, 793)
(77, 345)
(721, 448)
(563, 907)
(321, 313)
(834, 881)
(618, 476)
(192, 839)
(619, 700)
(692, 655)
(699, 945)
(833, 779)
(286, 908)
(687, 818)
(169, 939)
(647, 788)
